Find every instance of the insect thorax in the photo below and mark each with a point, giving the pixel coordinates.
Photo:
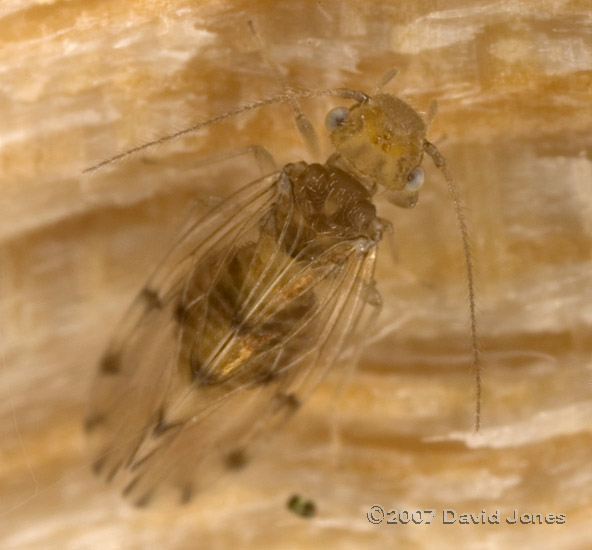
(332, 202)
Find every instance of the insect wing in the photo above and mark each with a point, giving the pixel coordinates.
(236, 328)
(139, 365)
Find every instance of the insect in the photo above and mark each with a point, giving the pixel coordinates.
(252, 306)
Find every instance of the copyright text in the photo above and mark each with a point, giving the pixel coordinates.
(448, 516)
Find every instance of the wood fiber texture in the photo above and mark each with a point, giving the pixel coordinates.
(83, 80)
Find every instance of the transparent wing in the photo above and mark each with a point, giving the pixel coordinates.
(138, 366)
(229, 337)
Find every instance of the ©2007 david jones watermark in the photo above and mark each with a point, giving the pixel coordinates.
(448, 516)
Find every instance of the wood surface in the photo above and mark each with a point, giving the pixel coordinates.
(83, 80)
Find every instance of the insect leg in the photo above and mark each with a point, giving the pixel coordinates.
(432, 110)
(384, 80)
(373, 301)
(304, 125)
(402, 273)
(263, 158)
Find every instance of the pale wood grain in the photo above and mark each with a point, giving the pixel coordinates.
(80, 81)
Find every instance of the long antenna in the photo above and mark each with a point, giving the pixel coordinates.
(455, 195)
(287, 97)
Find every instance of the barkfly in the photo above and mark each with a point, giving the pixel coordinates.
(253, 304)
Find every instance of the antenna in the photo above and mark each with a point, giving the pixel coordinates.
(287, 97)
(456, 197)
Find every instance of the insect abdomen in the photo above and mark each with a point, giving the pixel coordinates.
(245, 319)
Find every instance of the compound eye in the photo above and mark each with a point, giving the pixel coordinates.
(336, 117)
(415, 179)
